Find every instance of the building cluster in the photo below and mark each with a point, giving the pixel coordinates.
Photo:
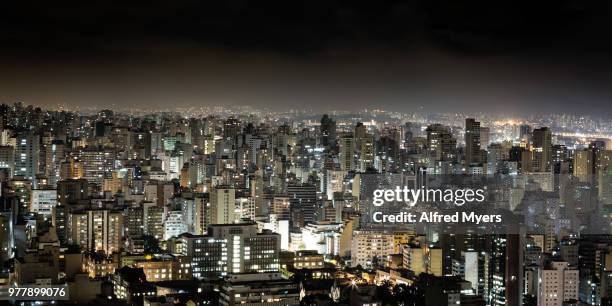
(166, 209)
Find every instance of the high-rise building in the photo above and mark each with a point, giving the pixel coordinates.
(366, 246)
(414, 259)
(604, 177)
(506, 277)
(43, 201)
(281, 207)
(558, 284)
(159, 192)
(7, 158)
(328, 131)
(96, 163)
(113, 183)
(525, 133)
(71, 169)
(324, 237)
(7, 236)
(308, 259)
(434, 261)
(257, 187)
(245, 208)
(440, 143)
(471, 267)
(560, 160)
(231, 128)
(584, 165)
(347, 153)
(134, 221)
(201, 214)
(365, 152)
(360, 130)
(27, 154)
(54, 155)
(175, 223)
(485, 137)
(408, 134)
(334, 182)
(96, 230)
(232, 248)
(303, 199)
(223, 205)
(494, 158)
(71, 191)
(472, 142)
(542, 148)
(153, 220)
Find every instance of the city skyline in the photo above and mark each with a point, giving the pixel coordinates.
(306, 153)
(233, 205)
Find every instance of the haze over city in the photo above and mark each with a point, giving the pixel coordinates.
(516, 57)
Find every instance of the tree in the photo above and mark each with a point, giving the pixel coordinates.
(151, 245)
(405, 295)
(384, 293)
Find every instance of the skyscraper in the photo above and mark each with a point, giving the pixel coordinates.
(303, 199)
(54, 154)
(558, 284)
(542, 147)
(7, 237)
(95, 164)
(231, 128)
(71, 191)
(222, 205)
(604, 177)
(96, 230)
(506, 274)
(27, 153)
(347, 153)
(583, 165)
(485, 135)
(472, 141)
(360, 130)
(364, 147)
(440, 143)
(328, 131)
(525, 133)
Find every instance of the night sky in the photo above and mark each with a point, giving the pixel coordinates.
(512, 57)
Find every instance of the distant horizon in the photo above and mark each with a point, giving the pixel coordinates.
(517, 57)
(314, 112)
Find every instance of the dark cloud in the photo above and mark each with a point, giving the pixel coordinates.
(93, 27)
(470, 55)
